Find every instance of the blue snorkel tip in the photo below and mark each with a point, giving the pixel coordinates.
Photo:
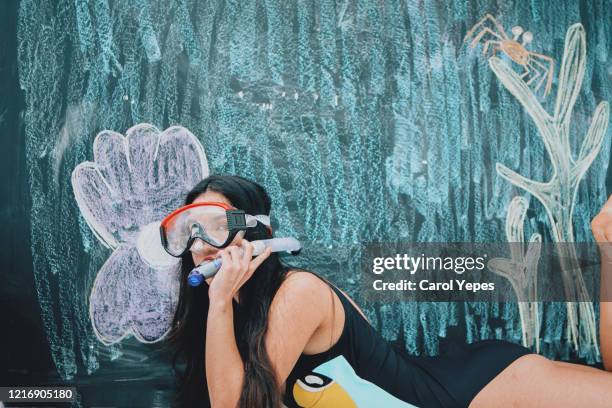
(195, 279)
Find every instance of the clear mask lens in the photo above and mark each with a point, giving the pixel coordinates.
(197, 246)
(209, 223)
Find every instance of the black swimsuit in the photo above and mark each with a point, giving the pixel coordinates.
(364, 370)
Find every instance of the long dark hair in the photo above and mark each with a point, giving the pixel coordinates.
(187, 336)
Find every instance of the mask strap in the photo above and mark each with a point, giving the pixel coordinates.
(264, 219)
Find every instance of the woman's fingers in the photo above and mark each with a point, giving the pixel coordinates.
(238, 264)
(246, 253)
(607, 207)
(598, 231)
(247, 248)
(254, 264)
(225, 259)
(258, 260)
(236, 256)
(607, 235)
(601, 225)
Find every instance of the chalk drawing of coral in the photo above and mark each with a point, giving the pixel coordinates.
(559, 193)
(522, 270)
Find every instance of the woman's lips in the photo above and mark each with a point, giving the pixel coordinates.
(207, 258)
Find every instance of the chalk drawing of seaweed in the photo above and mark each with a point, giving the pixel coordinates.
(522, 270)
(133, 182)
(559, 193)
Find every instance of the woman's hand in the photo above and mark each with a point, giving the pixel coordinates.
(602, 231)
(236, 269)
(601, 226)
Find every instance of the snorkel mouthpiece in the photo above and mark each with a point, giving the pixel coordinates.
(203, 271)
(194, 279)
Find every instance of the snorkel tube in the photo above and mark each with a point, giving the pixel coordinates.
(209, 268)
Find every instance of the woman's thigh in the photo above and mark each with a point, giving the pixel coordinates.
(535, 381)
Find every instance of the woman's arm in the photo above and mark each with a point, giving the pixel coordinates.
(605, 328)
(296, 312)
(224, 366)
(602, 231)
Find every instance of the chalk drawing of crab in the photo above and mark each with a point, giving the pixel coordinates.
(535, 65)
(133, 182)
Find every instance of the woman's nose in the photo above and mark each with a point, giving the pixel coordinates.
(201, 250)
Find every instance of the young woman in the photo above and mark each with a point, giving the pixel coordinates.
(261, 334)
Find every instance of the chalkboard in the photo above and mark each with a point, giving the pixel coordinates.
(365, 120)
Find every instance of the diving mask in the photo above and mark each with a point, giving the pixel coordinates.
(214, 223)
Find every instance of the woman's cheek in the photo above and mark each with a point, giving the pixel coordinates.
(197, 259)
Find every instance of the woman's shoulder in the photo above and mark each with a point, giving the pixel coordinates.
(296, 281)
(311, 281)
(301, 290)
(308, 298)
(299, 307)
(301, 274)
